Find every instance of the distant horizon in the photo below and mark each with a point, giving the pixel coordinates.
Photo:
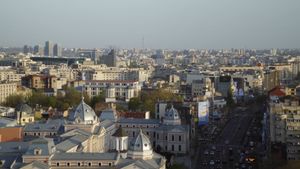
(114, 47)
(155, 24)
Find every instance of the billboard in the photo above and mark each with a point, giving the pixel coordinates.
(203, 112)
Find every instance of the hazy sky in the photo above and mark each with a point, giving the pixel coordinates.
(174, 24)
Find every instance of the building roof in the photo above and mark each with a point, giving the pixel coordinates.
(46, 145)
(140, 143)
(6, 110)
(74, 132)
(277, 91)
(13, 147)
(42, 127)
(172, 114)
(157, 161)
(85, 156)
(35, 165)
(7, 122)
(83, 114)
(8, 160)
(173, 128)
(120, 133)
(24, 108)
(70, 143)
(138, 121)
(108, 114)
(107, 123)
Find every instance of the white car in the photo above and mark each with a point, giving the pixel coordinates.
(212, 153)
(211, 162)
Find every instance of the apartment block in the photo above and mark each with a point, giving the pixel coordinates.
(284, 114)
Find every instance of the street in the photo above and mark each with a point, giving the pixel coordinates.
(232, 147)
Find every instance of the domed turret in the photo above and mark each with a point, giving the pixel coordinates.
(172, 117)
(84, 114)
(140, 147)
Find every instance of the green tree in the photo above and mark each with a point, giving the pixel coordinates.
(14, 100)
(134, 104)
(38, 98)
(148, 99)
(52, 101)
(72, 96)
(229, 98)
(97, 99)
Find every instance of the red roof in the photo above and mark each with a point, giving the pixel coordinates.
(277, 91)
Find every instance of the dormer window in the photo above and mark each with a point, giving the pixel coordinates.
(37, 151)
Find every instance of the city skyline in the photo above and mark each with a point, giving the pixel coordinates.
(168, 24)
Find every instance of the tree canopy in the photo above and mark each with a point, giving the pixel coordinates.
(149, 98)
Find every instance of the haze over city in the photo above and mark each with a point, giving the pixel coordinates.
(173, 24)
(150, 84)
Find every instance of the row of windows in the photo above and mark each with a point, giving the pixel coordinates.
(140, 126)
(113, 84)
(157, 136)
(81, 164)
(38, 134)
(173, 148)
(293, 120)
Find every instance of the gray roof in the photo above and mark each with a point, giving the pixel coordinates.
(13, 147)
(183, 128)
(24, 108)
(35, 165)
(107, 123)
(75, 132)
(46, 145)
(69, 143)
(8, 160)
(140, 143)
(172, 114)
(85, 156)
(83, 113)
(41, 127)
(7, 122)
(108, 114)
(155, 163)
(98, 129)
(6, 109)
(138, 121)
